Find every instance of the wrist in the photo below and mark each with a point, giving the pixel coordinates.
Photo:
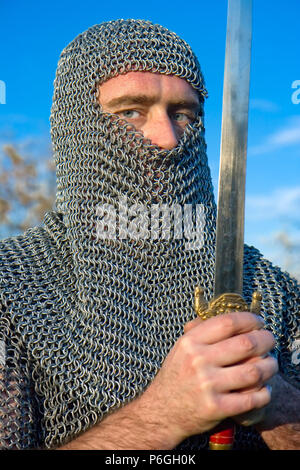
(152, 418)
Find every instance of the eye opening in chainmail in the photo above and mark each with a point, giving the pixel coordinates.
(139, 138)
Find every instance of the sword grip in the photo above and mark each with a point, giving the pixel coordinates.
(223, 439)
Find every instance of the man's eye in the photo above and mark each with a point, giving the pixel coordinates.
(129, 114)
(181, 117)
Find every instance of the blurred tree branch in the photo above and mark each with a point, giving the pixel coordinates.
(290, 249)
(27, 190)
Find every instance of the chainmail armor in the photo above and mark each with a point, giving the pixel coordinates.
(86, 323)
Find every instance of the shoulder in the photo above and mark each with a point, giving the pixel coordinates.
(262, 273)
(280, 308)
(34, 264)
(38, 250)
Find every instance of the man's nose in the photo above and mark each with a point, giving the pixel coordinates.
(161, 132)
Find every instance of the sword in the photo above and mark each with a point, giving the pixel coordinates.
(228, 282)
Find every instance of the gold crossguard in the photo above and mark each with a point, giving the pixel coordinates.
(224, 303)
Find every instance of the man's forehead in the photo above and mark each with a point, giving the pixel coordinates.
(153, 85)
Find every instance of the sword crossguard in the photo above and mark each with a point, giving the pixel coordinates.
(224, 303)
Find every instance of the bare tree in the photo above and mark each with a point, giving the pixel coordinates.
(27, 190)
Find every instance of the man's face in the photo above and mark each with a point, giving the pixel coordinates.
(160, 106)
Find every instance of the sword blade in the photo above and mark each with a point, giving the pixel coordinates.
(232, 177)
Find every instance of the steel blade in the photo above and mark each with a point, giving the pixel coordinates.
(231, 194)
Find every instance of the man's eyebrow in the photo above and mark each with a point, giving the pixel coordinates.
(127, 100)
(191, 104)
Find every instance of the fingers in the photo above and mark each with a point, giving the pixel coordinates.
(247, 376)
(241, 347)
(228, 339)
(225, 326)
(218, 369)
(233, 404)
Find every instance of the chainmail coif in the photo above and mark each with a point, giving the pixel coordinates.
(86, 321)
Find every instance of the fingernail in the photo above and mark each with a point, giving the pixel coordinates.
(269, 388)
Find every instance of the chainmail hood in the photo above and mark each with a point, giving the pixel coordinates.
(80, 130)
(96, 312)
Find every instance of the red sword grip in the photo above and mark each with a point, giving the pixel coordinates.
(224, 437)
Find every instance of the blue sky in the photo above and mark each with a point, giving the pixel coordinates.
(33, 33)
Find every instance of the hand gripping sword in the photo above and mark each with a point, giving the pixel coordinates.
(228, 282)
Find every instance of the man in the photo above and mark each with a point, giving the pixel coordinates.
(100, 348)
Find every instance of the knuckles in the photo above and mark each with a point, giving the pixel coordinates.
(248, 344)
(249, 401)
(256, 342)
(186, 345)
(192, 354)
(253, 374)
(229, 323)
